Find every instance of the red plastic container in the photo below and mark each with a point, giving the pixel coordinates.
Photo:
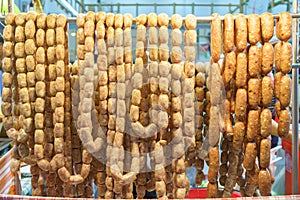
(287, 146)
(201, 193)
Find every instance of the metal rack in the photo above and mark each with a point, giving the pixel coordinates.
(295, 114)
(295, 77)
(84, 6)
(209, 18)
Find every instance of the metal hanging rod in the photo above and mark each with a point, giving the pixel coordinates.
(208, 18)
(199, 19)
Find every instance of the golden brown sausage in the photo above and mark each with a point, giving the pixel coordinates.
(214, 164)
(214, 127)
(163, 19)
(277, 80)
(252, 180)
(264, 183)
(264, 153)
(267, 58)
(254, 61)
(127, 20)
(212, 190)
(277, 50)
(254, 92)
(10, 18)
(284, 123)
(286, 58)
(277, 107)
(216, 37)
(284, 26)
(228, 33)
(230, 67)
(266, 91)
(285, 91)
(241, 32)
(265, 123)
(241, 104)
(241, 70)
(253, 28)
(252, 125)
(228, 122)
(238, 136)
(118, 20)
(190, 22)
(176, 21)
(250, 156)
(267, 26)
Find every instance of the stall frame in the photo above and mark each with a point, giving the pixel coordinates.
(295, 83)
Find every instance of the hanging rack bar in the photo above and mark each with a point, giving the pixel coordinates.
(11, 5)
(296, 65)
(209, 18)
(199, 19)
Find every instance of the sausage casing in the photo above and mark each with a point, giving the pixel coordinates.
(230, 67)
(286, 57)
(252, 125)
(277, 54)
(265, 123)
(250, 156)
(214, 164)
(266, 91)
(264, 153)
(241, 70)
(241, 32)
(285, 91)
(228, 33)
(212, 190)
(267, 58)
(238, 136)
(214, 127)
(284, 123)
(253, 28)
(264, 183)
(216, 37)
(254, 92)
(241, 104)
(284, 26)
(277, 80)
(254, 61)
(267, 26)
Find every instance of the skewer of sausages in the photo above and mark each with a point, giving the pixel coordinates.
(99, 169)
(8, 86)
(178, 156)
(111, 100)
(127, 189)
(282, 83)
(199, 106)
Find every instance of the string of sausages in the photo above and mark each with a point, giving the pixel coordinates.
(141, 67)
(119, 124)
(41, 148)
(214, 112)
(199, 118)
(153, 93)
(228, 42)
(7, 93)
(42, 44)
(76, 143)
(127, 188)
(98, 167)
(178, 164)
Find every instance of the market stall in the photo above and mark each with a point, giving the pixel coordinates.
(133, 113)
